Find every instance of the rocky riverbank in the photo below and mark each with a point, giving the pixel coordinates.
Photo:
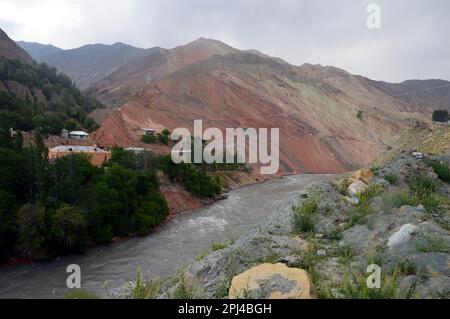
(396, 217)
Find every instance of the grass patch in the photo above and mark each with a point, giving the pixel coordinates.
(443, 171)
(214, 247)
(391, 178)
(406, 268)
(343, 187)
(141, 288)
(346, 254)
(358, 215)
(183, 289)
(80, 294)
(335, 234)
(355, 287)
(305, 217)
(423, 185)
(406, 197)
(432, 245)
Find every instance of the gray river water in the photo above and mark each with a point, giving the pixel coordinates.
(159, 255)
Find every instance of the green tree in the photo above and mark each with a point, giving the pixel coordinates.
(440, 116)
(32, 228)
(68, 230)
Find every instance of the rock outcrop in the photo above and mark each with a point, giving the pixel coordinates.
(408, 238)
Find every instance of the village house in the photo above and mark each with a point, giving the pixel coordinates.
(79, 135)
(149, 131)
(97, 156)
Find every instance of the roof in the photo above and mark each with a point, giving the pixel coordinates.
(135, 149)
(79, 133)
(148, 129)
(78, 149)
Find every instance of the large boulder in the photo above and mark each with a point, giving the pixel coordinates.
(356, 188)
(272, 281)
(403, 235)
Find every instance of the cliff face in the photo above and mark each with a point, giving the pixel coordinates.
(326, 125)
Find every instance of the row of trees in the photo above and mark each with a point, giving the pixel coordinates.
(48, 210)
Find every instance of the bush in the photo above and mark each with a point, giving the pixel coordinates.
(305, 217)
(149, 139)
(359, 115)
(165, 137)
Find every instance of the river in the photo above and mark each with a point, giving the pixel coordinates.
(160, 254)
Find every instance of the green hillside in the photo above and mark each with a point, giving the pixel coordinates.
(36, 96)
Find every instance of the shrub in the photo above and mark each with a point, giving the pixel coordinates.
(305, 217)
(164, 137)
(359, 115)
(149, 139)
(440, 116)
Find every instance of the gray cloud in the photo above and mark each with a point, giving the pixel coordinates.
(412, 43)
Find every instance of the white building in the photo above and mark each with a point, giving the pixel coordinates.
(79, 135)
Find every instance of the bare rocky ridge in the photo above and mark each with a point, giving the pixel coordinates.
(121, 85)
(327, 124)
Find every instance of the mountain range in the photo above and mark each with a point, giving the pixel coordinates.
(329, 120)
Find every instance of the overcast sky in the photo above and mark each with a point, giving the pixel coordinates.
(413, 41)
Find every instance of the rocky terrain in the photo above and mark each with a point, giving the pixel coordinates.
(136, 76)
(323, 127)
(320, 242)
